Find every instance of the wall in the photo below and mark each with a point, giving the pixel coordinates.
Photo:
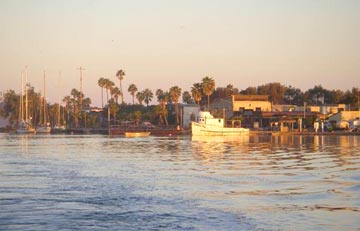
(252, 105)
(187, 110)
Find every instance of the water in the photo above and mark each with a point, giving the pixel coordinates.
(63, 182)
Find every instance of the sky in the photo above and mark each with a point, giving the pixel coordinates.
(165, 43)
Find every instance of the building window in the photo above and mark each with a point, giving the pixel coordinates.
(258, 109)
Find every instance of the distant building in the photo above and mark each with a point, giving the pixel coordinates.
(323, 109)
(92, 109)
(284, 108)
(190, 112)
(223, 104)
(344, 116)
(241, 103)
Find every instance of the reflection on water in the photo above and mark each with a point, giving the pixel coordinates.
(179, 183)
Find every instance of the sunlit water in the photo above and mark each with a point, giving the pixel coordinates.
(63, 182)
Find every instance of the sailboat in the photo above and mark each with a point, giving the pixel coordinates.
(58, 128)
(44, 127)
(24, 125)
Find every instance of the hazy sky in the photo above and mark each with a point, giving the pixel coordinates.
(163, 43)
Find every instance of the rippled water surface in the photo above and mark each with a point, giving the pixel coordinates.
(63, 182)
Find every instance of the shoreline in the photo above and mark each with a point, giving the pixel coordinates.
(306, 133)
(102, 131)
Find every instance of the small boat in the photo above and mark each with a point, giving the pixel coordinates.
(57, 129)
(207, 125)
(43, 129)
(25, 128)
(137, 134)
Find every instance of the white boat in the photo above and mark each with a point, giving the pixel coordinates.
(25, 128)
(58, 129)
(207, 125)
(137, 134)
(43, 128)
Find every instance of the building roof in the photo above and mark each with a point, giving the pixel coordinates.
(250, 97)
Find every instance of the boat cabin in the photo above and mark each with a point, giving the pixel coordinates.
(206, 118)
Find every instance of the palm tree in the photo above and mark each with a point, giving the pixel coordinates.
(208, 85)
(115, 92)
(101, 83)
(120, 75)
(196, 93)
(137, 116)
(148, 95)
(67, 101)
(186, 98)
(132, 89)
(114, 108)
(175, 93)
(75, 103)
(163, 98)
(108, 85)
(140, 97)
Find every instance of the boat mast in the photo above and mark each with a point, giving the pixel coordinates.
(22, 97)
(26, 96)
(81, 92)
(44, 102)
(59, 108)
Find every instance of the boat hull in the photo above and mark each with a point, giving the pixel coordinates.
(199, 129)
(43, 129)
(137, 134)
(118, 130)
(25, 131)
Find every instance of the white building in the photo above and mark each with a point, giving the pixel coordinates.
(190, 112)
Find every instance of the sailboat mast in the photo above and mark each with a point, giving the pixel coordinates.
(59, 108)
(22, 96)
(26, 96)
(44, 102)
(81, 83)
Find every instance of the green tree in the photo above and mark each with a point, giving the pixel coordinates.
(114, 109)
(75, 103)
(140, 97)
(120, 75)
(293, 96)
(208, 85)
(115, 92)
(163, 98)
(175, 93)
(132, 90)
(137, 116)
(101, 83)
(186, 97)
(276, 92)
(148, 95)
(249, 91)
(196, 92)
(10, 109)
(108, 85)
